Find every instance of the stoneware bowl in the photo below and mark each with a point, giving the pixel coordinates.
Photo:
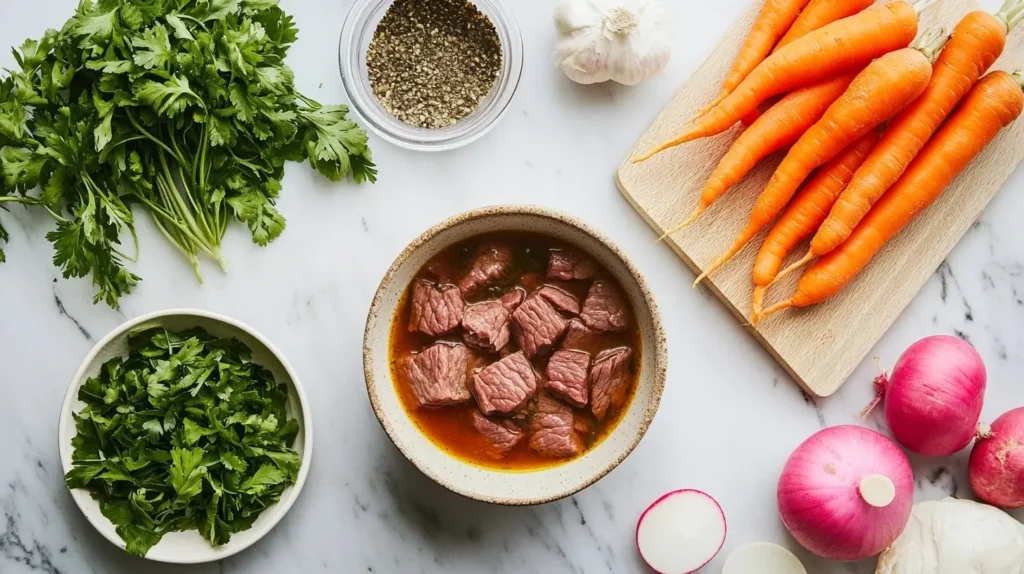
(189, 547)
(489, 485)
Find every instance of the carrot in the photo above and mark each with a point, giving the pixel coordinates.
(772, 22)
(821, 12)
(837, 47)
(882, 90)
(805, 214)
(994, 102)
(977, 40)
(779, 127)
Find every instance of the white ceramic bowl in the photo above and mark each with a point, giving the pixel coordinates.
(490, 485)
(189, 547)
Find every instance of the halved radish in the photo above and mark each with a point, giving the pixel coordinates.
(763, 558)
(681, 532)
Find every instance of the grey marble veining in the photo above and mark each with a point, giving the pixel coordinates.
(729, 417)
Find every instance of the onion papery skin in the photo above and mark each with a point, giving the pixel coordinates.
(934, 396)
(819, 498)
(996, 466)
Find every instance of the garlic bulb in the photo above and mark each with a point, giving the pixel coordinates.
(956, 537)
(620, 40)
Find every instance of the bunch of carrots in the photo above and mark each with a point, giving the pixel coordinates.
(887, 126)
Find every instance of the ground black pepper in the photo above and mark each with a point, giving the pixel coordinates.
(431, 62)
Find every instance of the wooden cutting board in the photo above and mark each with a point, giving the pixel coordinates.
(819, 346)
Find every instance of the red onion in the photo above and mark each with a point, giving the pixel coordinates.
(933, 397)
(846, 493)
(996, 467)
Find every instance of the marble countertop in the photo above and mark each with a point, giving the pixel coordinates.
(728, 420)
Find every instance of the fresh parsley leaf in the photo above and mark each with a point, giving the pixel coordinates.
(183, 109)
(267, 475)
(153, 48)
(184, 433)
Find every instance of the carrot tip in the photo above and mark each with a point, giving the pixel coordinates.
(803, 261)
(781, 306)
(757, 305)
(693, 217)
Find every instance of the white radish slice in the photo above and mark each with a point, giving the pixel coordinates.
(681, 532)
(763, 558)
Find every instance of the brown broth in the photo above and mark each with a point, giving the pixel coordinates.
(451, 428)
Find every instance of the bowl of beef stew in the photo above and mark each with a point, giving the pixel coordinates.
(514, 355)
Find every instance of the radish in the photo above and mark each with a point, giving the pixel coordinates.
(933, 397)
(763, 558)
(996, 467)
(846, 493)
(681, 532)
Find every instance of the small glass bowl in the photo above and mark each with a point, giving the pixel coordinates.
(356, 34)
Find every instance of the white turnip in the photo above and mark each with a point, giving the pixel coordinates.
(681, 532)
(763, 558)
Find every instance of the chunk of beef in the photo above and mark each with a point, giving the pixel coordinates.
(492, 263)
(436, 309)
(604, 309)
(439, 375)
(537, 326)
(560, 298)
(503, 434)
(552, 430)
(566, 265)
(505, 386)
(580, 337)
(567, 374)
(609, 380)
(513, 299)
(485, 326)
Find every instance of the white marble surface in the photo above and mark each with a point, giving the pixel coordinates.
(729, 416)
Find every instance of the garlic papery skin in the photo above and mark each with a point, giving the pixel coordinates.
(954, 536)
(625, 41)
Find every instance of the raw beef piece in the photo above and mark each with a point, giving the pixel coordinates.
(552, 430)
(560, 298)
(492, 263)
(567, 374)
(537, 326)
(578, 336)
(604, 309)
(505, 386)
(438, 375)
(566, 265)
(609, 380)
(503, 434)
(513, 299)
(436, 309)
(485, 326)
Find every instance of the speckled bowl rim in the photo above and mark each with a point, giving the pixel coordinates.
(658, 348)
(285, 503)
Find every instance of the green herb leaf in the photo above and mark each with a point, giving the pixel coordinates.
(216, 470)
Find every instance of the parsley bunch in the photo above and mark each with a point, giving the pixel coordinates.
(184, 108)
(185, 433)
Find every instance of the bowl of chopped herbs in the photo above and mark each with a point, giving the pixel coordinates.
(430, 75)
(185, 436)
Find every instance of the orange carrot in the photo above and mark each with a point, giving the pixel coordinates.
(777, 128)
(772, 22)
(837, 47)
(805, 214)
(881, 91)
(977, 40)
(994, 102)
(821, 12)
